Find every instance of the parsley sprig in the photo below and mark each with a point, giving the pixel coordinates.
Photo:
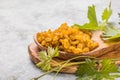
(93, 23)
(90, 69)
(100, 70)
(46, 58)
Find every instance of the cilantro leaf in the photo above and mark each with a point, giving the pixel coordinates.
(107, 13)
(87, 26)
(52, 52)
(119, 16)
(108, 66)
(93, 24)
(86, 68)
(89, 71)
(46, 58)
(42, 55)
(92, 15)
(111, 33)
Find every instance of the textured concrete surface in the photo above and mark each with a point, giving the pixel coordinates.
(21, 19)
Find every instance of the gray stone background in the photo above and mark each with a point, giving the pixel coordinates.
(21, 19)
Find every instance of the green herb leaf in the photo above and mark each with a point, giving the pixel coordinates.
(93, 24)
(87, 26)
(92, 70)
(119, 17)
(119, 14)
(92, 15)
(52, 52)
(46, 58)
(86, 68)
(107, 13)
(111, 33)
(42, 55)
(108, 66)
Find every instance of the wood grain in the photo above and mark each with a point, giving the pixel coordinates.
(114, 52)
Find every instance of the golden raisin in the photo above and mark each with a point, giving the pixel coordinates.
(70, 39)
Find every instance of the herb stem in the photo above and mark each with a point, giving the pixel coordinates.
(63, 64)
(54, 69)
(74, 63)
(114, 59)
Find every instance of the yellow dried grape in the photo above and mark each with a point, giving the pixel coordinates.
(86, 49)
(77, 50)
(70, 39)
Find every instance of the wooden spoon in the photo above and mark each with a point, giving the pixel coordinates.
(103, 49)
(33, 50)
